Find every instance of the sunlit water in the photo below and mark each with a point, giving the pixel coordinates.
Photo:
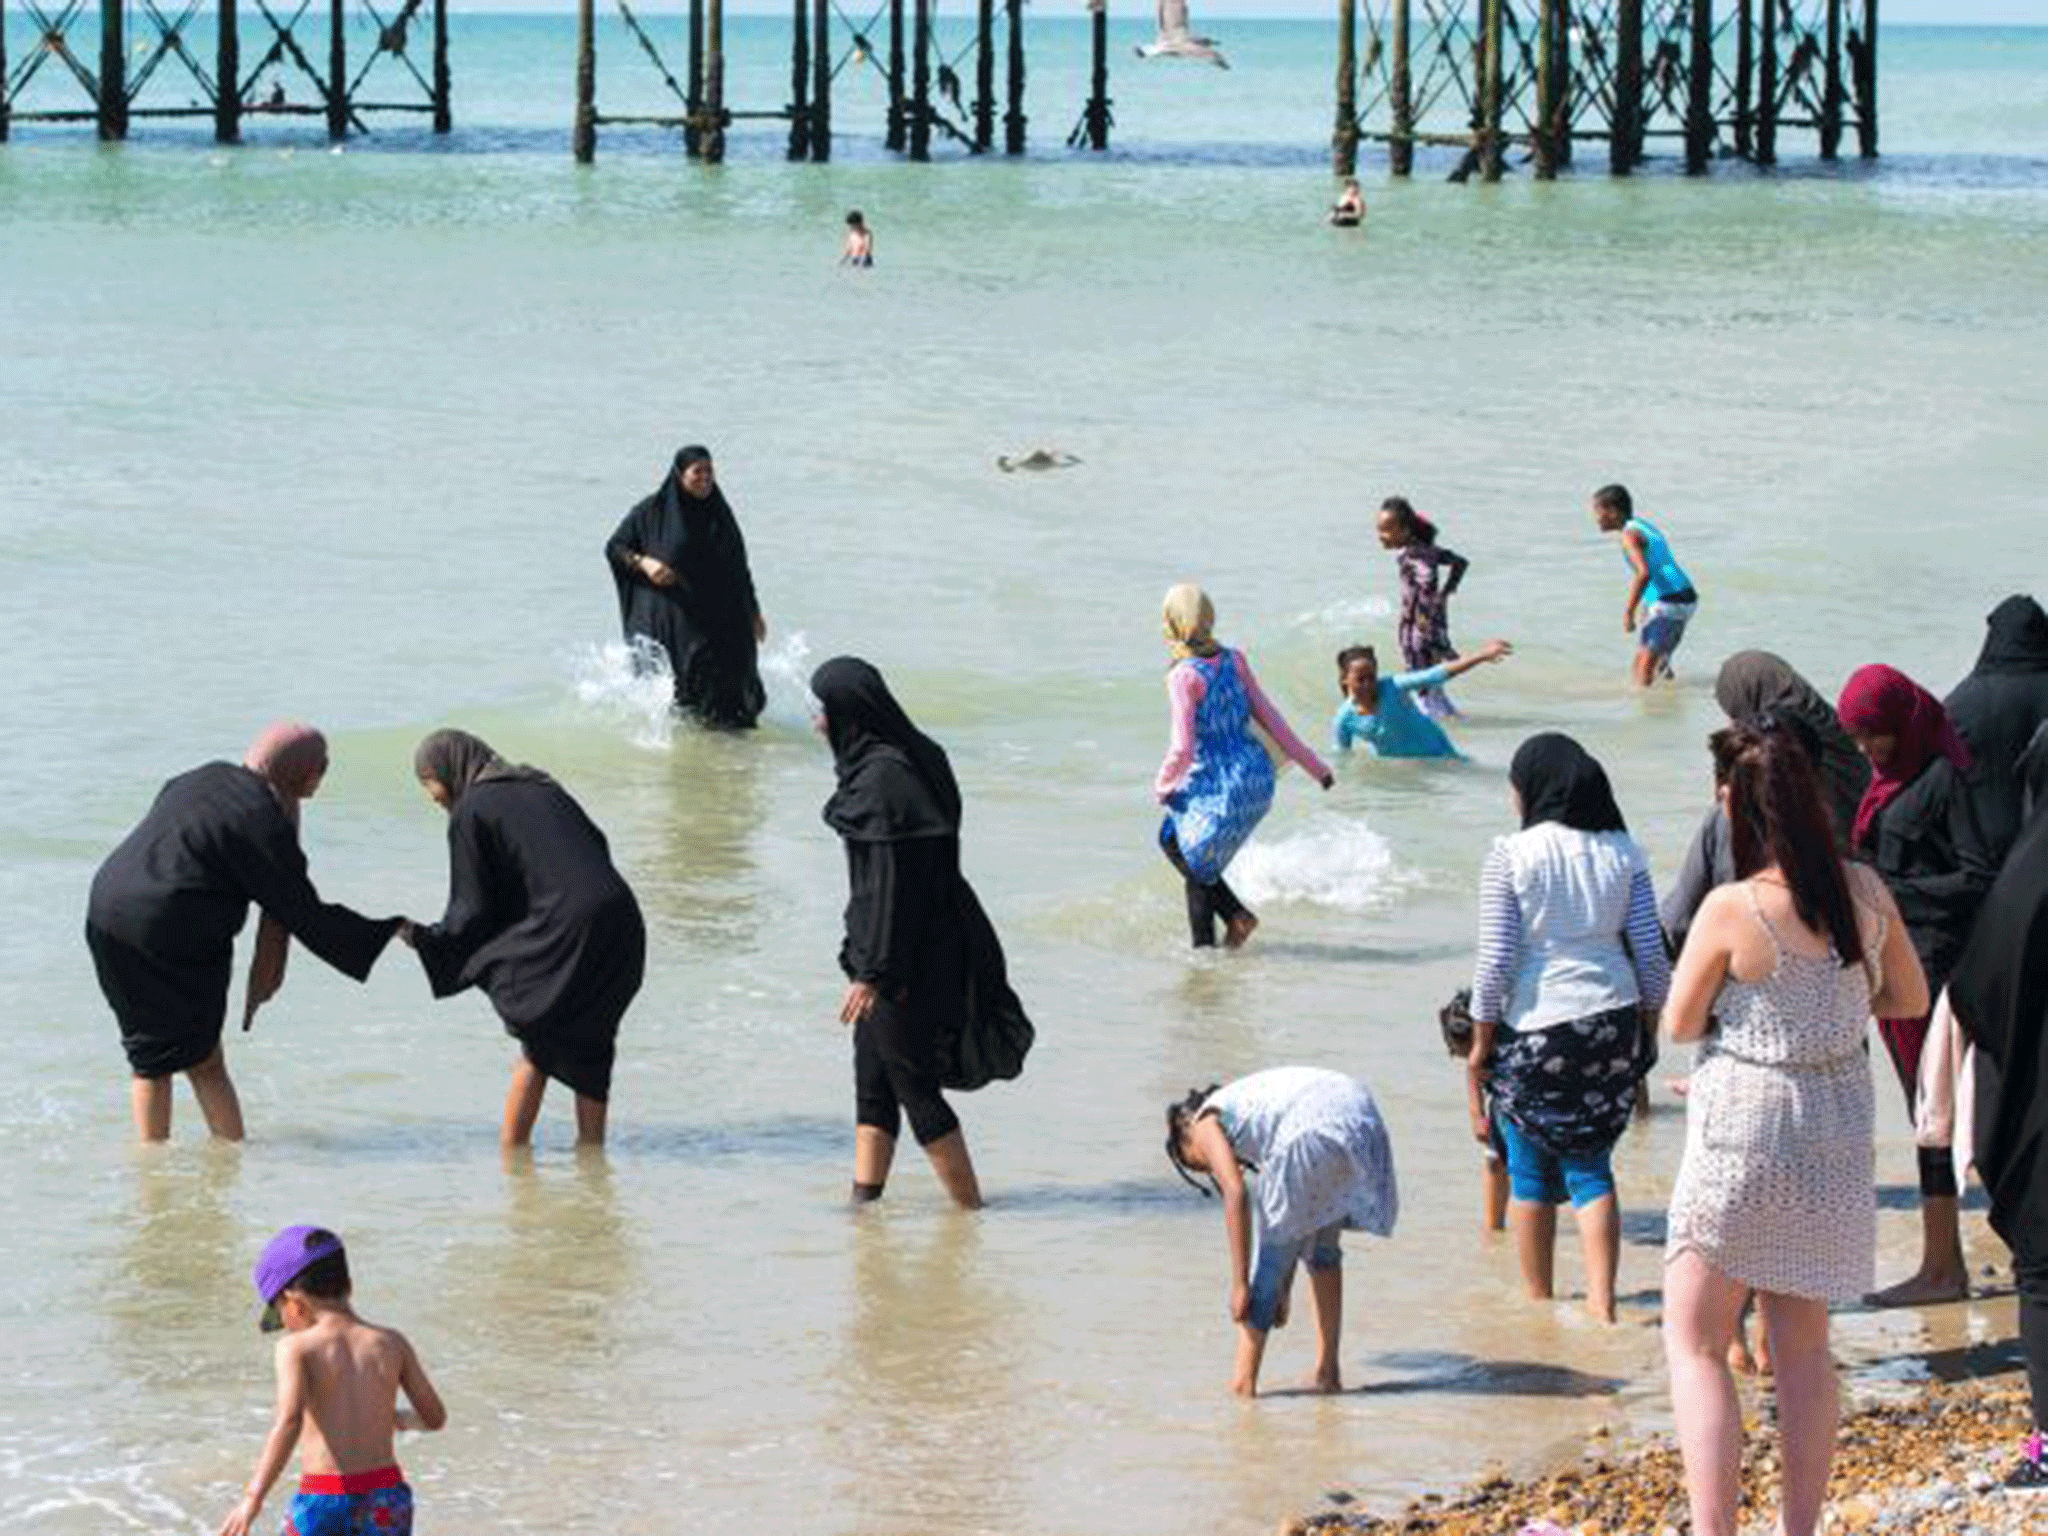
(340, 437)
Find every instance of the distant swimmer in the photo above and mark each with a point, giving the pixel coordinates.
(1177, 41)
(859, 250)
(1348, 212)
(1036, 459)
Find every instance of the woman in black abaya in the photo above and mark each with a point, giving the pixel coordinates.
(539, 919)
(927, 995)
(680, 565)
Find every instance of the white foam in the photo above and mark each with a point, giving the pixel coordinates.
(786, 674)
(1344, 613)
(1337, 862)
(628, 683)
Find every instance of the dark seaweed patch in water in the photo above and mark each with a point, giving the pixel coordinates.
(1451, 1372)
(786, 1136)
(1116, 1195)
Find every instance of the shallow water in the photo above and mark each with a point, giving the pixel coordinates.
(340, 437)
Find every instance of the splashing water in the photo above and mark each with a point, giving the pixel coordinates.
(1344, 613)
(1338, 862)
(629, 683)
(786, 674)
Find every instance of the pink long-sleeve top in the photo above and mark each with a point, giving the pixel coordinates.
(1185, 690)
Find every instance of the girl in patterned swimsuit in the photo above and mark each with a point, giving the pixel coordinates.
(1429, 575)
(1774, 1192)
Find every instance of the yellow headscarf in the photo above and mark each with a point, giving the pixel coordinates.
(1187, 617)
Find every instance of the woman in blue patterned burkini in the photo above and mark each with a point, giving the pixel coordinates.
(1217, 780)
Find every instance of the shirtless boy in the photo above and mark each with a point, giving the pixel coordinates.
(338, 1380)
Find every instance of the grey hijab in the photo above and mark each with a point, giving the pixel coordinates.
(1754, 683)
(460, 760)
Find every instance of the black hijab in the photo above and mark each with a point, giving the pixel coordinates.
(1559, 780)
(698, 538)
(894, 781)
(459, 760)
(2016, 638)
(1999, 990)
(1756, 683)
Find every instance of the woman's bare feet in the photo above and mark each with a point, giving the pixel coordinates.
(1238, 930)
(1331, 1380)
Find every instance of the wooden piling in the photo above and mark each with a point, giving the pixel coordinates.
(1344, 136)
(227, 75)
(894, 137)
(444, 95)
(583, 138)
(921, 81)
(1561, 137)
(6, 109)
(1767, 84)
(821, 84)
(113, 102)
(1745, 78)
(1401, 95)
(1098, 75)
(1831, 86)
(1546, 90)
(1625, 148)
(1490, 147)
(1699, 74)
(693, 84)
(1014, 121)
(711, 137)
(337, 71)
(984, 76)
(800, 81)
(1866, 85)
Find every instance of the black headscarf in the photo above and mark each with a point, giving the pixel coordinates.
(1756, 683)
(699, 539)
(1559, 780)
(459, 760)
(1999, 990)
(2016, 638)
(894, 781)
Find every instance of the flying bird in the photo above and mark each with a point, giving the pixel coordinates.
(1175, 41)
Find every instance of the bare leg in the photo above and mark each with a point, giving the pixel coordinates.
(1494, 1209)
(590, 1120)
(1238, 930)
(1326, 1286)
(1701, 1306)
(522, 1104)
(1942, 1276)
(1740, 1360)
(1600, 1238)
(1808, 1405)
(215, 1091)
(1644, 668)
(150, 1100)
(1536, 1243)
(1251, 1350)
(874, 1150)
(956, 1169)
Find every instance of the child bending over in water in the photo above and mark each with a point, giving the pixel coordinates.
(1379, 711)
(1429, 575)
(1315, 1144)
(337, 1379)
(1455, 1019)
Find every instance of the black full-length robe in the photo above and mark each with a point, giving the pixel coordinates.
(1931, 850)
(167, 904)
(705, 622)
(1998, 708)
(541, 921)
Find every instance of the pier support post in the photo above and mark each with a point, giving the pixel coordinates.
(113, 102)
(1625, 148)
(1547, 23)
(921, 81)
(1344, 136)
(711, 140)
(444, 96)
(583, 137)
(693, 84)
(337, 71)
(1866, 85)
(1745, 78)
(984, 76)
(227, 75)
(1699, 79)
(1490, 146)
(1767, 84)
(1564, 93)
(894, 138)
(821, 83)
(1013, 117)
(1401, 95)
(800, 82)
(1098, 75)
(6, 111)
(1831, 86)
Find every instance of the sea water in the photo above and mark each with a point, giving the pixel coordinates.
(340, 437)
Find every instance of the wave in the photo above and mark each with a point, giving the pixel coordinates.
(629, 685)
(1338, 862)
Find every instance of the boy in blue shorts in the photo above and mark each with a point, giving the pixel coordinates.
(338, 1380)
(1662, 593)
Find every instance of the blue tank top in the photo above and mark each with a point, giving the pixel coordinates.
(1667, 576)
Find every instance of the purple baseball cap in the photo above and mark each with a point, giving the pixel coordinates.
(286, 1257)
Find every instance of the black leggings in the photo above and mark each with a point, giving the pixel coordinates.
(2032, 1278)
(896, 1072)
(1206, 903)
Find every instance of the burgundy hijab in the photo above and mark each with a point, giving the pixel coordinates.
(1883, 701)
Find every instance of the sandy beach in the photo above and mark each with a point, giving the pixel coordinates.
(1922, 1458)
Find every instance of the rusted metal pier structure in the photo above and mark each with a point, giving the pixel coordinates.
(145, 54)
(1498, 79)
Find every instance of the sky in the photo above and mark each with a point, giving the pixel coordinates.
(1951, 12)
